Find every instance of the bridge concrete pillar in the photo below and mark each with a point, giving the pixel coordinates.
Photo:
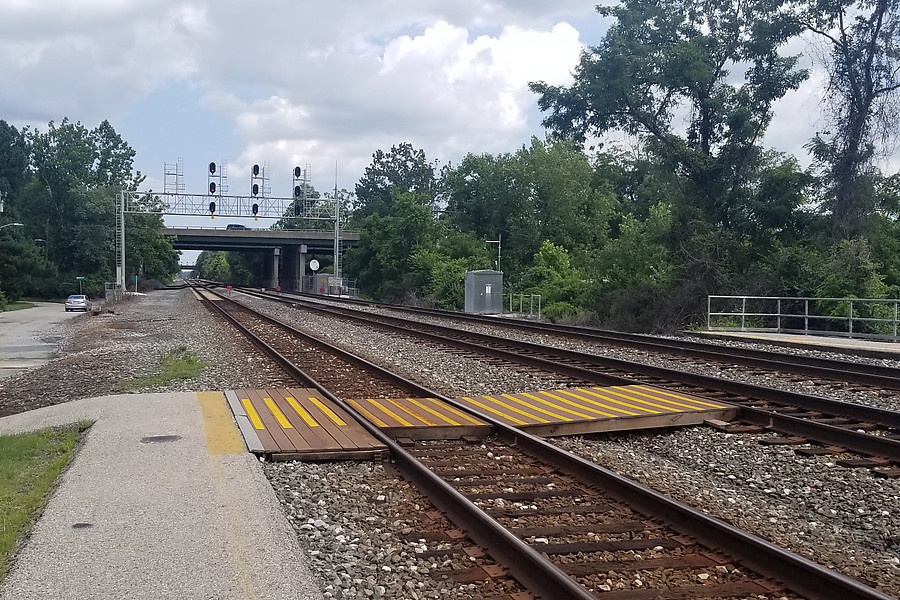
(270, 269)
(292, 267)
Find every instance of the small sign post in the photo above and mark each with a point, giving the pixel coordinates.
(80, 279)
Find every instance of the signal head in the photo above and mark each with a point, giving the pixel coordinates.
(212, 207)
(255, 189)
(212, 189)
(297, 172)
(212, 168)
(255, 170)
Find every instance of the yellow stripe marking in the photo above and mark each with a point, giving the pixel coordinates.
(458, 413)
(537, 408)
(516, 410)
(590, 401)
(252, 414)
(395, 416)
(411, 412)
(612, 390)
(279, 416)
(307, 418)
(495, 411)
(330, 413)
(221, 433)
(654, 395)
(665, 393)
(367, 413)
(618, 402)
(562, 408)
(428, 409)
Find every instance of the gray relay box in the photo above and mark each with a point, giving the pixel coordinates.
(484, 292)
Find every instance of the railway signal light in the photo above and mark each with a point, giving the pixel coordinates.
(212, 168)
(212, 189)
(298, 191)
(212, 210)
(255, 210)
(255, 170)
(255, 189)
(297, 172)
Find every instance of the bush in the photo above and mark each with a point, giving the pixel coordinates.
(558, 311)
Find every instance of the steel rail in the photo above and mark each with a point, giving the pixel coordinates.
(862, 443)
(864, 374)
(529, 567)
(542, 577)
(389, 376)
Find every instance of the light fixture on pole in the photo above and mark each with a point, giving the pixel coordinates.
(497, 241)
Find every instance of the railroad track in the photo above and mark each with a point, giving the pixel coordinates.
(834, 427)
(563, 527)
(823, 370)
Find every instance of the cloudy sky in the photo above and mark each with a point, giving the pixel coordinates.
(297, 82)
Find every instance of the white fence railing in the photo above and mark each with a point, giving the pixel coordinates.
(851, 317)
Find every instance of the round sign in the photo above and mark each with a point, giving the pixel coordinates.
(314, 265)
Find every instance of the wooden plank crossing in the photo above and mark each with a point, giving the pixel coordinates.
(419, 418)
(299, 424)
(593, 410)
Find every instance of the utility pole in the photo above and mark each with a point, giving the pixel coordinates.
(497, 241)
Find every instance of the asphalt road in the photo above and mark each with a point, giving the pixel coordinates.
(29, 337)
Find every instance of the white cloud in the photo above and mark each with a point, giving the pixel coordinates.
(322, 81)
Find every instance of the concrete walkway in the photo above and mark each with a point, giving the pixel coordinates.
(28, 337)
(162, 501)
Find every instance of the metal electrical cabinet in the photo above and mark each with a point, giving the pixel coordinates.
(484, 292)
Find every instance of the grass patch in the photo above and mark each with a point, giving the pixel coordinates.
(29, 466)
(179, 363)
(18, 306)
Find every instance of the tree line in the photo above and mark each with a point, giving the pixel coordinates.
(652, 189)
(58, 189)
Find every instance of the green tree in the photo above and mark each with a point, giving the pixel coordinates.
(542, 192)
(663, 58)
(213, 265)
(402, 169)
(380, 263)
(13, 160)
(559, 284)
(863, 94)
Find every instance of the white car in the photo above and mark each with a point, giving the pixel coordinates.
(77, 302)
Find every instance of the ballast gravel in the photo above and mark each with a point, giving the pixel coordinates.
(342, 512)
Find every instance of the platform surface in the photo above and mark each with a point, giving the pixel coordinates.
(845, 345)
(162, 500)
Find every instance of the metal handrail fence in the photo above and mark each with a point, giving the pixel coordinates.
(850, 317)
(522, 307)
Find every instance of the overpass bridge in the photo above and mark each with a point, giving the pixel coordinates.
(287, 248)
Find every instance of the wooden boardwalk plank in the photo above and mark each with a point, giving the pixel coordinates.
(351, 434)
(265, 438)
(319, 437)
(283, 442)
